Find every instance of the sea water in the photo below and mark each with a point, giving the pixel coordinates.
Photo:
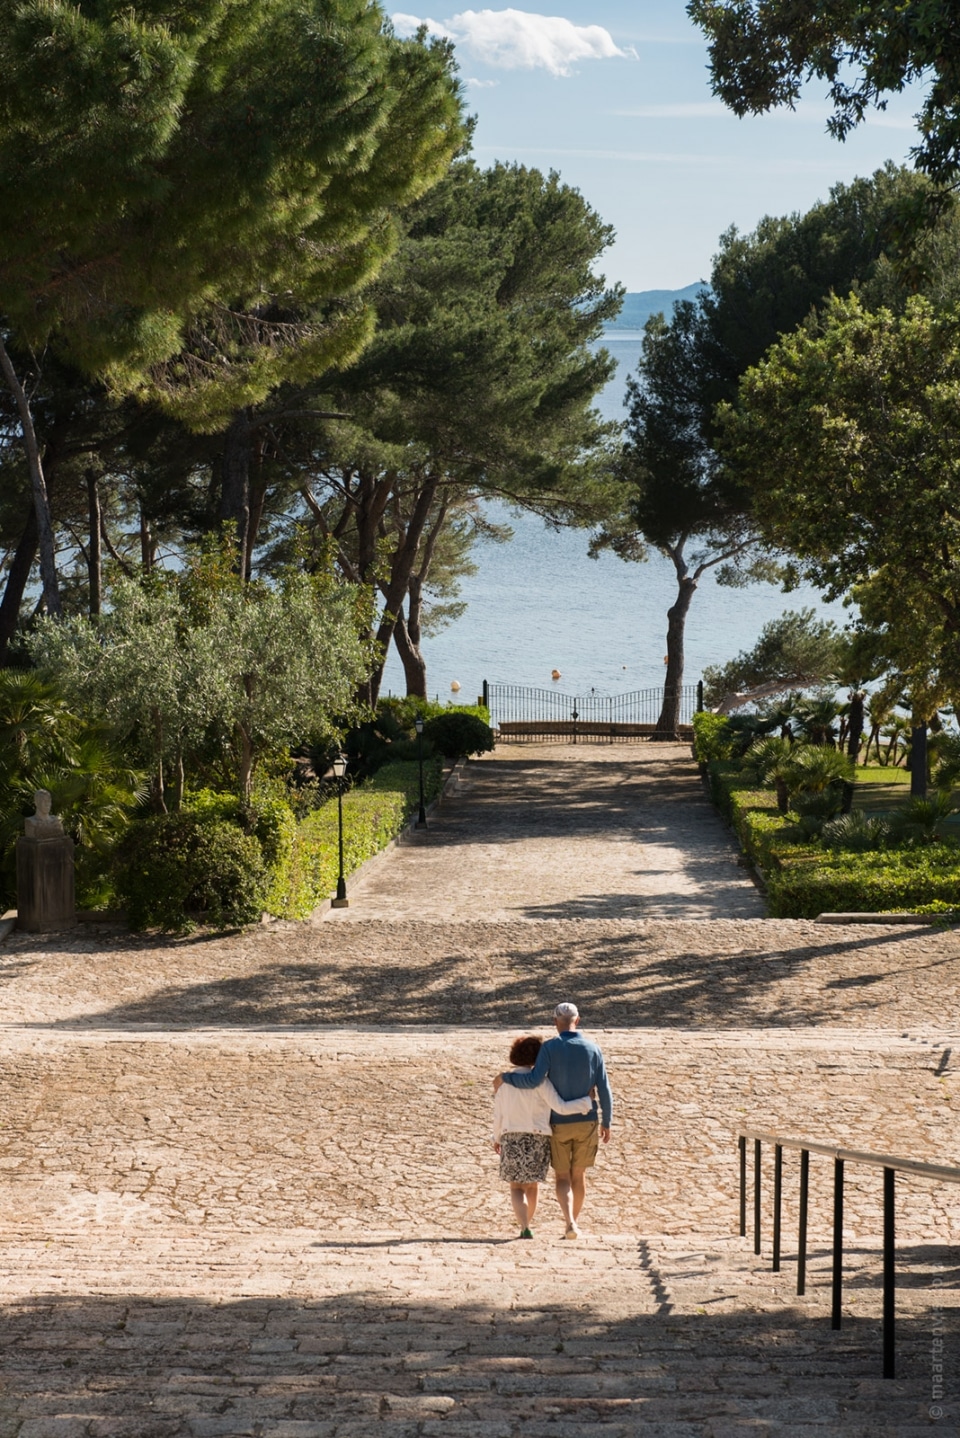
(539, 603)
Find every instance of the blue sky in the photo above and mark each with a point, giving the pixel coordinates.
(615, 95)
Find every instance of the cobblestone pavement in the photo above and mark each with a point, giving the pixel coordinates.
(225, 1232)
(622, 973)
(548, 831)
(235, 1200)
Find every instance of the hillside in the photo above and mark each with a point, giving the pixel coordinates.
(639, 305)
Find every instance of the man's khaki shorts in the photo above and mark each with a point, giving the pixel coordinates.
(574, 1145)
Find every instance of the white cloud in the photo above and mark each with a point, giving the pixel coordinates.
(407, 25)
(473, 84)
(521, 40)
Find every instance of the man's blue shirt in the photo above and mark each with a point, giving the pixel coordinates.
(574, 1065)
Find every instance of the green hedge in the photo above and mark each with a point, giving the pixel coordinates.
(711, 737)
(868, 883)
(171, 867)
(804, 880)
(373, 814)
(232, 862)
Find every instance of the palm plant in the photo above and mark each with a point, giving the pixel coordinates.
(814, 719)
(767, 761)
(946, 773)
(923, 821)
(745, 729)
(818, 780)
(895, 748)
(855, 831)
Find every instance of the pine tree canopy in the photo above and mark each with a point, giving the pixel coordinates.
(176, 158)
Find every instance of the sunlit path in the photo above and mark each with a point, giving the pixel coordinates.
(551, 831)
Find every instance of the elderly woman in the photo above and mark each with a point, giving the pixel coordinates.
(521, 1131)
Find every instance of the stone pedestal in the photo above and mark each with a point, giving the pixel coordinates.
(45, 884)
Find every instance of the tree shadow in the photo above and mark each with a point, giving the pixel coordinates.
(372, 1362)
(621, 980)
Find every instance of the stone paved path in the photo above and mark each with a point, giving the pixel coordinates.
(300, 1232)
(234, 1202)
(549, 831)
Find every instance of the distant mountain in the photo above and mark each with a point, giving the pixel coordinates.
(641, 304)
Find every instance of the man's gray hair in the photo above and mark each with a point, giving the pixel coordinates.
(566, 1012)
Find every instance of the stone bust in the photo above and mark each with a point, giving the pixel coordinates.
(43, 824)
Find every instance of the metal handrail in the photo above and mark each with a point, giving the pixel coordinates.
(878, 1160)
(890, 1165)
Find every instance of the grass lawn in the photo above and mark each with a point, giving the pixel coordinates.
(880, 789)
(882, 774)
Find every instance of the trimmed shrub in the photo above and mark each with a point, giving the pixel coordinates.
(173, 866)
(373, 814)
(856, 832)
(390, 736)
(270, 820)
(711, 737)
(872, 883)
(813, 863)
(456, 733)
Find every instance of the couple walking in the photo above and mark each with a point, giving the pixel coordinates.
(545, 1111)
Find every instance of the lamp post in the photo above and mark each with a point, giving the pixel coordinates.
(340, 769)
(418, 725)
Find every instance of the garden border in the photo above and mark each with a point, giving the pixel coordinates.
(367, 867)
(9, 920)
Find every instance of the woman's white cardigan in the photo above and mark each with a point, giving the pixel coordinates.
(527, 1110)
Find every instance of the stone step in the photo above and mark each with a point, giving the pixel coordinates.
(269, 1340)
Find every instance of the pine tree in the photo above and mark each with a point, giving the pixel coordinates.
(175, 170)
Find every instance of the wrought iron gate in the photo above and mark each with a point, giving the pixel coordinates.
(551, 713)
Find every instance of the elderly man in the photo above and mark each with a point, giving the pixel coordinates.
(574, 1066)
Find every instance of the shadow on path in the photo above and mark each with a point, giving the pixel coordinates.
(141, 1367)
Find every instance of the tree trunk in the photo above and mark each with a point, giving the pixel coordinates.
(669, 721)
(94, 553)
(257, 492)
(235, 485)
(246, 763)
(18, 576)
(179, 779)
(31, 445)
(414, 664)
(918, 762)
(156, 783)
(147, 549)
(855, 726)
(398, 584)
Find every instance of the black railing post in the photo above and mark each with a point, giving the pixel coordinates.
(777, 1203)
(836, 1311)
(743, 1185)
(699, 709)
(486, 695)
(802, 1235)
(756, 1195)
(889, 1276)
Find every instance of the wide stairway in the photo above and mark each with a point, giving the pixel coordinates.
(247, 1186)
